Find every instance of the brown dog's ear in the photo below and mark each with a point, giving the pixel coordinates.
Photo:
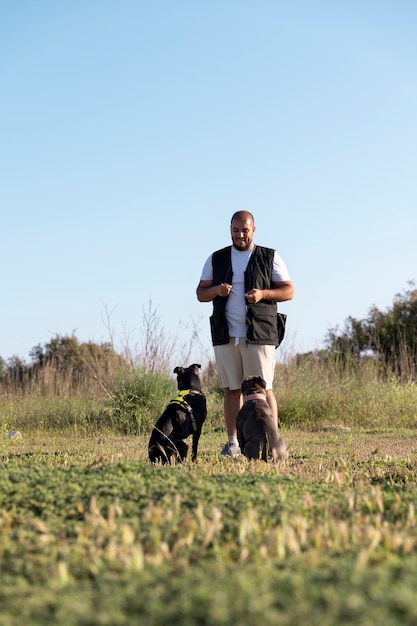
(245, 383)
(179, 370)
(261, 382)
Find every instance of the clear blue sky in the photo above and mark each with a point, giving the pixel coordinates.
(132, 130)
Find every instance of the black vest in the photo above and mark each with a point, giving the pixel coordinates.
(261, 318)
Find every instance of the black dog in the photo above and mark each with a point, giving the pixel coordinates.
(184, 416)
(257, 430)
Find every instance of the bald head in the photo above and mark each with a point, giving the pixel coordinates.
(242, 229)
(243, 215)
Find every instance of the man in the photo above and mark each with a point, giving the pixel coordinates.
(244, 281)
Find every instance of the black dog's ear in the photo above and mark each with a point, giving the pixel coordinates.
(194, 366)
(179, 370)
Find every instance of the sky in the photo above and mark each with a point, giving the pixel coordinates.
(132, 130)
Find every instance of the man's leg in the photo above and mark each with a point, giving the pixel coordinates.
(281, 451)
(272, 401)
(232, 404)
(229, 367)
(259, 360)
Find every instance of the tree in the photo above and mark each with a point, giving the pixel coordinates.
(349, 344)
(65, 357)
(391, 335)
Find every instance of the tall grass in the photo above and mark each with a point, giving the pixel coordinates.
(126, 395)
(123, 391)
(127, 400)
(316, 392)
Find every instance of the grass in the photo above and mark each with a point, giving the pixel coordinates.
(91, 533)
(315, 394)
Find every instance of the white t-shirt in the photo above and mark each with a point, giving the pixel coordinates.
(236, 303)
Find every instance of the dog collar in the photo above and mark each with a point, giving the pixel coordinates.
(255, 396)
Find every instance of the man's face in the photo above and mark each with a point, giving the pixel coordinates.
(242, 231)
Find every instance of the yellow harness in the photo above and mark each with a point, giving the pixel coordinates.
(180, 399)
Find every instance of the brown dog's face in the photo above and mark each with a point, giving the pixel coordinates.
(253, 384)
(188, 377)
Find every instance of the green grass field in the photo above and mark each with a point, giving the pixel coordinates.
(91, 533)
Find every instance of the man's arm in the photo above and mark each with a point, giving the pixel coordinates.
(282, 291)
(206, 291)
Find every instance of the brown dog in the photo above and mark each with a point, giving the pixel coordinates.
(257, 430)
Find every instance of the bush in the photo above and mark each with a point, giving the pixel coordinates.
(138, 398)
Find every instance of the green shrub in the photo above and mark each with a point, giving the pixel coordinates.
(138, 398)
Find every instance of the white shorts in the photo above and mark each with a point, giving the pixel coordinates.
(235, 362)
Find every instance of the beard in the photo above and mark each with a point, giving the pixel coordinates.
(242, 246)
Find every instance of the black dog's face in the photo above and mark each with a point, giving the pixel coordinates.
(253, 384)
(188, 377)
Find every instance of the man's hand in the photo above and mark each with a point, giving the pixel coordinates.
(224, 289)
(254, 295)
